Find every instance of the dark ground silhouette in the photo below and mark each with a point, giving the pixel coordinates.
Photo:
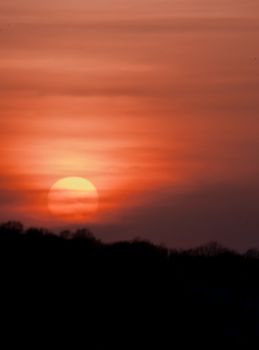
(125, 295)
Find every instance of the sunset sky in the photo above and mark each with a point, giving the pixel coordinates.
(156, 102)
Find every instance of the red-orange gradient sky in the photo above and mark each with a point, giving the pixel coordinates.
(156, 102)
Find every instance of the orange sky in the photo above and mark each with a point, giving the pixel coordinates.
(156, 102)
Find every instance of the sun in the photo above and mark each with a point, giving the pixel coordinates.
(73, 198)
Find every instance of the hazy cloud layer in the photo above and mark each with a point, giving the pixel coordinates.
(155, 101)
(222, 212)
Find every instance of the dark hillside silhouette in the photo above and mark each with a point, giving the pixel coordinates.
(128, 294)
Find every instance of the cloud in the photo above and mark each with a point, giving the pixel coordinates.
(136, 98)
(222, 212)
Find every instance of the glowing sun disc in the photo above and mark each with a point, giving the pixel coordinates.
(73, 199)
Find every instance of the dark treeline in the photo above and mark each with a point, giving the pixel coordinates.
(129, 294)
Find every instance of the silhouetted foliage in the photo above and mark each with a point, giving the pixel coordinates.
(35, 233)
(11, 229)
(66, 234)
(84, 234)
(210, 249)
(252, 253)
(132, 292)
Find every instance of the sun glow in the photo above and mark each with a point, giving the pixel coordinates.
(73, 199)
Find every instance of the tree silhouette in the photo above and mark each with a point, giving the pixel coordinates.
(174, 294)
(86, 236)
(210, 249)
(11, 229)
